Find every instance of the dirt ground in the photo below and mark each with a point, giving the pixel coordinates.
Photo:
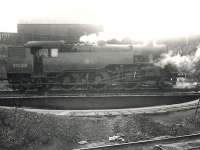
(24, 130)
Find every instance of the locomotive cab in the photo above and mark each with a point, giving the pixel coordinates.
(25, 63)
(41, 49)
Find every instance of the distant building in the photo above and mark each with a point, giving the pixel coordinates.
(48, 31)
(68, 30)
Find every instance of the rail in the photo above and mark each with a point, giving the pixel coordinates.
(145, 143)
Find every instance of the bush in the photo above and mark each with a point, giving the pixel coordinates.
(24, 129)
(138, 127)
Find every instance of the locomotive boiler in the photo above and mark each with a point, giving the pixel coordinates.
(50, 64)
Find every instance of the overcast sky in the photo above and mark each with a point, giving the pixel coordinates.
(136, 18)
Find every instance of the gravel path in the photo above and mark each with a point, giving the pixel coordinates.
(115, 112)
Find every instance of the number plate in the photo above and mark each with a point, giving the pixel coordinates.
(20, 65)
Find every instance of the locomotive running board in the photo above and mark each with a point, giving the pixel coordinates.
(81, 102)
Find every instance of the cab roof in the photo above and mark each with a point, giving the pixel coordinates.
(44, 44)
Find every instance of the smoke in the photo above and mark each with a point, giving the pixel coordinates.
(183, 83)
(104, 36)
(183, 63)
(94, 38)
(187, 64)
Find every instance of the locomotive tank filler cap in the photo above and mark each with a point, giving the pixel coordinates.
(45, 44)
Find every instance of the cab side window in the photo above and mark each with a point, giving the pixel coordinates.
(54, 52)
(51, 52)
(44, 52)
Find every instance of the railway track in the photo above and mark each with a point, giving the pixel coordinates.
(149, 144)
(63, 91)
(81, 101)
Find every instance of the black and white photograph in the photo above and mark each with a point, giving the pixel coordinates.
(100, 75)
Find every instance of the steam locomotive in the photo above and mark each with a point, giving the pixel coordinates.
(49, 64)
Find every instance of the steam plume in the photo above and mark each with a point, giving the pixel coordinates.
(185, 63)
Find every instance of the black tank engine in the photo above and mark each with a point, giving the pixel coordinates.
(49, 64)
